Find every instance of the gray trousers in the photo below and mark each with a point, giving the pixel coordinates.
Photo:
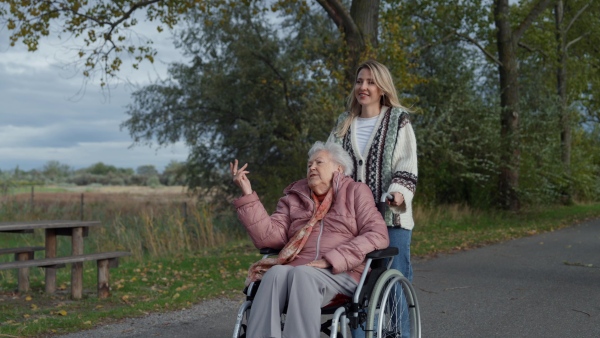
(306, 289)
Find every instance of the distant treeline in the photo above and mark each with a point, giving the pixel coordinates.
(54, 172)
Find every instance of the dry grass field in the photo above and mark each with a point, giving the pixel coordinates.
(99, 193)
(144, 220)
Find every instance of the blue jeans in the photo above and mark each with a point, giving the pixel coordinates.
(399, 238)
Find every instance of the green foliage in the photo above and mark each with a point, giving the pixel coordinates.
(153, 181)
(267, 78)
(174, 174)
(104, 26)
(100, 169)
(146, 170)
(457, 130)
(56, 172)
(585, 168)
(545, 178)
(250, 93)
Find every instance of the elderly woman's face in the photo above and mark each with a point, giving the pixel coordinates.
(320, 172)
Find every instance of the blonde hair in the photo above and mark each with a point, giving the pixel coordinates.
(383, 80)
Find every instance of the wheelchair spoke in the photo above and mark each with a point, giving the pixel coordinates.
(392, 302)
(389, 324)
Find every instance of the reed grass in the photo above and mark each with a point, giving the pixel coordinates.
(149, 223)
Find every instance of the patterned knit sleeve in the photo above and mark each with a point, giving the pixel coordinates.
(404, 173)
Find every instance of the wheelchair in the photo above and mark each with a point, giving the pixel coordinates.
(374, 306)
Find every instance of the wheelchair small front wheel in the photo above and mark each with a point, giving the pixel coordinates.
(386, 308)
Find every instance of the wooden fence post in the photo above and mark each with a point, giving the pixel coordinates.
(50, 253)
(77, 268)
(103, 278)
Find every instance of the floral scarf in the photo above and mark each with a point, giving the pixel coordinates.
(295, 245)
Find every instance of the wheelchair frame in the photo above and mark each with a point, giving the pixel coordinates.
(369, 307)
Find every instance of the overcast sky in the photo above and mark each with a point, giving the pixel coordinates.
(44, 116)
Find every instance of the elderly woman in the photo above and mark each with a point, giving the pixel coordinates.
(325, 225)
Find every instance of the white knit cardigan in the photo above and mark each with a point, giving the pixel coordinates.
(389, 163)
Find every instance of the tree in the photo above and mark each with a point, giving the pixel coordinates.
(147, 170)
(55, 171)
(174, 173)
(249, 93)
(467, 21)
(456, 128)
(555, 60)
(101, 169)
(106, 30)
(567, 34)
(507, 41)
(104, 27)
(359, 27)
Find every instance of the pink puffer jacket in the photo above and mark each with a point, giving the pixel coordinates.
(351, 229)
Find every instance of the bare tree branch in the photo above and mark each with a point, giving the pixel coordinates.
(535, 12)
(127, 15)
(577, 16)
(340, 16)
(576, 40)
(531, 49)
(478, 45)
(435, 43)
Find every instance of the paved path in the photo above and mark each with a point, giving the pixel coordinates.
(539, 286)
(546, 285)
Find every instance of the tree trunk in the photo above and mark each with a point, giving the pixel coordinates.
(561, 88)
(509, 101)
(359, 26)
(365, 14)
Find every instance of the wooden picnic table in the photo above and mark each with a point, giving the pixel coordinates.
(76, 229)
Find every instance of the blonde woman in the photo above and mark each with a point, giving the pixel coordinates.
(377, 133)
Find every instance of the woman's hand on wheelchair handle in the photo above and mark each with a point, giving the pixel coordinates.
(239, 177)
(397, 201)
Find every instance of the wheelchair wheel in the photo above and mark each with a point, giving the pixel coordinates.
(241, 324)
(385, 311)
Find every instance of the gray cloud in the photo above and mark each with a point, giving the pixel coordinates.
(46, 114)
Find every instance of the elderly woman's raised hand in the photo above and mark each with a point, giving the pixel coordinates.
(239, 177)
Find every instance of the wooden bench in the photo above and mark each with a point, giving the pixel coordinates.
(104, 260)
(23, 254)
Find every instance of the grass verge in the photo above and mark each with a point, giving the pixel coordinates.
(181, 280)
(138, 288)
(452, 228)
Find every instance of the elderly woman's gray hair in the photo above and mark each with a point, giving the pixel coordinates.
(337, 153)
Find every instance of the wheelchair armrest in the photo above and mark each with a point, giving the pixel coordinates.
(269, 251)
(383, 253)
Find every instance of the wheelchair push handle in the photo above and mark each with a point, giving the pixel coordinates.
(383, 203)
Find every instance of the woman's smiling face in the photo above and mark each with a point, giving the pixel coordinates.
(320, 172)
(366, 91)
